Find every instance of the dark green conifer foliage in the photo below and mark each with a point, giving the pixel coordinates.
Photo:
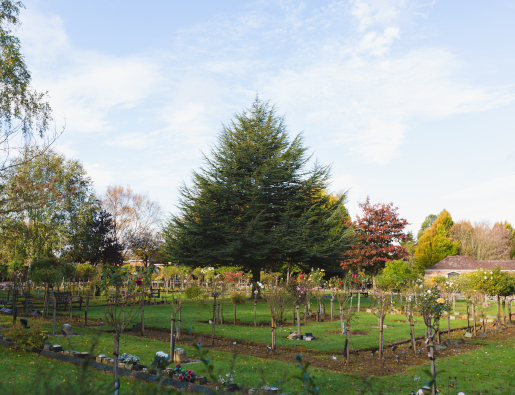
(254, 204)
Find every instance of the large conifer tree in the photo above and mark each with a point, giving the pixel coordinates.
(254, 204)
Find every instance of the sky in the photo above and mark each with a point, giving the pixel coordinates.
(410, 102)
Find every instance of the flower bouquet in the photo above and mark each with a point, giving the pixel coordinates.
(129, 360)
(184, 375)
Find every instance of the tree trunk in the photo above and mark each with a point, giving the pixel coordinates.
(214, 322)
(468, 315)
(359, 299)
(221, 313)
(433, 367)
(504, 310)
(116, 348)
(86, 311)
(498, 311)
(347, 344)
(273, 334)
(255, 308)
(342, 320)
(412, 333)
(298, 319)
(474, 318)
(332, 308)
(380, 337)
(45, 307)
(143, 314)
(179, 324)
(172, 337)
(53, 321)
(449, 326)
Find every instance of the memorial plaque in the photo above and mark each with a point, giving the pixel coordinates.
(300, 348)
(468, 335)
(457, 344)
(483, 335)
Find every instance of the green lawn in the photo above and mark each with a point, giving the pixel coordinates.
(486, 369)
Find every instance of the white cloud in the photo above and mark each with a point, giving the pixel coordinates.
(371, 12)
(84, 85)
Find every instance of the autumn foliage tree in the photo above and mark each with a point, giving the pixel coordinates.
(136, 221)
(436, 242)
(378, 233)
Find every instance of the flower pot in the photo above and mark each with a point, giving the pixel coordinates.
(426, 390)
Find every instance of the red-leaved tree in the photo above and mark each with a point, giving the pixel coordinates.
(378, 234)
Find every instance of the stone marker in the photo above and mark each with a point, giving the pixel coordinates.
(67, 330)
(200, 380)
(457, 344)
(468, 335)
(483, 335)
(180, 355)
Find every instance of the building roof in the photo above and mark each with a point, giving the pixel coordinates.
(467, 263)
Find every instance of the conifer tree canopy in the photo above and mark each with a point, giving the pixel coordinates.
(254, 204)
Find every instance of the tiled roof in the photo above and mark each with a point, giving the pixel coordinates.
(467, 263)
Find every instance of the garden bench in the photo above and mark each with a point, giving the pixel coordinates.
(62, 299)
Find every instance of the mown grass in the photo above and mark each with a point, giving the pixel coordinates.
(489, 369)
(485, 370)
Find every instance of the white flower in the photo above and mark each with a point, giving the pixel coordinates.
(161, 354)
(485, 277)
(421, 286)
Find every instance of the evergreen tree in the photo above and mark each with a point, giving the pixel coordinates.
(95, 243)
(254, 204)
(436, 243)
(426, 225)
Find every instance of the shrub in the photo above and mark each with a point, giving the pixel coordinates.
(194, 292)
(237, 298)
(27, 339)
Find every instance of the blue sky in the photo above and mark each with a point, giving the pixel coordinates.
(412, 102)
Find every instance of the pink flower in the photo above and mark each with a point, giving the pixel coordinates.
(180, 377)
